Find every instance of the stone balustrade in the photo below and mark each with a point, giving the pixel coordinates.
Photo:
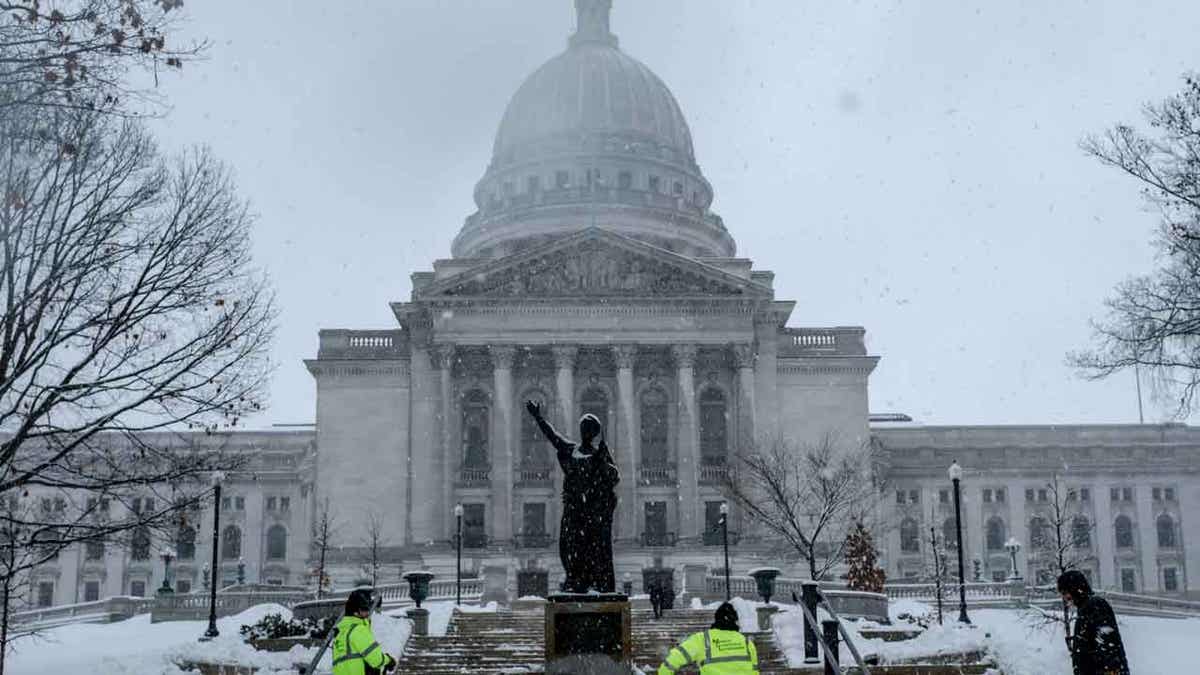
(658, 474)
(838, 341)
(362, 344)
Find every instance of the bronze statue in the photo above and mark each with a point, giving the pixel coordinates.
(589, 499)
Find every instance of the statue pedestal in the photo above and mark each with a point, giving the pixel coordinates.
(588, 633)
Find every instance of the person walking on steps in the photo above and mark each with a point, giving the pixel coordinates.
(1095, 646)
(720, 650)
(355, 650)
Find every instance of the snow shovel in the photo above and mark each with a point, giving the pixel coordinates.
(312, 666)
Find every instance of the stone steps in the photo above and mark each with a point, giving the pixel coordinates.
(513, 642)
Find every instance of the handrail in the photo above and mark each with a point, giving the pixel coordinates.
(842, 628)
(812, 621)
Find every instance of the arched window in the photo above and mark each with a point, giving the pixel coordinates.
(1081, 532)
(949, 534)
(475, 419)
(1124, 531)
(185, 543)
(595, 402)
(1166, 531)
(654, 414)
(139, 543)
(995, 534)
(534, 446)
(1039, 533)
(276, 542)
(910, 536)
(713, 427)
(231, 543)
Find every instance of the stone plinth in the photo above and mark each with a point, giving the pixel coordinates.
(591, 631)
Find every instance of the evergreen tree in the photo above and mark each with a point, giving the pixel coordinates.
(864, 573)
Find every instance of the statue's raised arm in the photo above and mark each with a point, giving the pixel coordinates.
(560, 444)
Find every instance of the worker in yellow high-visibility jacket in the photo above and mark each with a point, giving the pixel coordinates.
(355, 651)
(720, 650)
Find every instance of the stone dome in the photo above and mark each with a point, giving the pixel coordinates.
(593, 138)
(594, 89)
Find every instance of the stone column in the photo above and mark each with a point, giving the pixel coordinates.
(450, 456)
(1147, 539)
(687, 444)
(973, 528)
(743, 360)
(564, 384)
(1104, 538)
(502, 446)
(627, 455)
(766, 377)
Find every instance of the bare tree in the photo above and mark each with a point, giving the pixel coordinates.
(938, 567)
(808, 496)
(1060, 536)
(81, 54)
(1153, 321)
(128, 305)
(374, 541)
(322, 540)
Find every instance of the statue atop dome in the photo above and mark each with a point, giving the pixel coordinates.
(593, 25)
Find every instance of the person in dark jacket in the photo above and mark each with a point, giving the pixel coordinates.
(1095, 646)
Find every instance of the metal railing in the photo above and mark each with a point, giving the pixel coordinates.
(658, 474)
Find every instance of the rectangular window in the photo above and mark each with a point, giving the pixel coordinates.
(914, 496)
(900, 494)
(137, 589)
(1128, 580)
(183, 585)
(226, 504)
(285, 503)
(1170, 580)
(239, 503)
(149, 505)
(534, 518)
(944, 497)
(656, 523)
(1000, 494)
(677, 189)
(1169, 494)
(270, 503)
(655, 184)
(999, 575)
(1042, 496)
(1156, 494)
(1029, 494)
(136, 505)
(987, 496)
(45, 594)
(625, 180)
(562, 179)
(474, 526)
(1127, 494)
(712, 523)
(1071, 495)
(1085, 494)
(1114, 494)
(91, 591)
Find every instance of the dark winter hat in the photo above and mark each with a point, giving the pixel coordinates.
(726, 618)
(360, 600)
(592, 421)
(1074, 584)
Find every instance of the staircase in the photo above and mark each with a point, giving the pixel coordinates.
(513, 642)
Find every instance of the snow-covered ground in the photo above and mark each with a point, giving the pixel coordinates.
(1020, 644)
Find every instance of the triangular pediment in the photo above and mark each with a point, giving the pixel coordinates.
(595, 263)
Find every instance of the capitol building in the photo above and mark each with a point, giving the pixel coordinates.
(594, 277)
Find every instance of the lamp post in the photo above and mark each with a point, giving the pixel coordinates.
(725, 539)
(956, 478)
(458, 514)
(1013, 547)
(211, 633)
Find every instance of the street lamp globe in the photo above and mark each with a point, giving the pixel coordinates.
(724, 508)
(458, 510)
(955, 471)
(1012, 545)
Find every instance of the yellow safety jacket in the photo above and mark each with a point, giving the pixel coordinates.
(355, 651)
(717, 652)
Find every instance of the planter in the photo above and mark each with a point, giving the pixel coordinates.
(284, 644)
(764, 578)
(418, 585)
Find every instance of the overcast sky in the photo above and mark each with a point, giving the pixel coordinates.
(910, 167)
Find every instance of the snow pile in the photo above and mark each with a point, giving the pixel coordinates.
(1019, 643)
(138, 647)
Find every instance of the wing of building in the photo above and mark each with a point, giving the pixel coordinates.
(593, 277)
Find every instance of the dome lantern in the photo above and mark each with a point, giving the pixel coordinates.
(593, 24)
